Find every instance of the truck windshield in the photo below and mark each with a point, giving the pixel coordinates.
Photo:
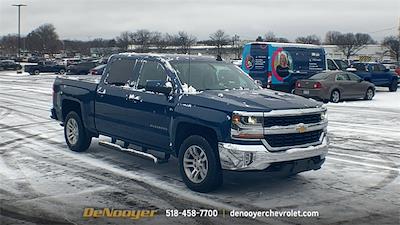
(212, 76)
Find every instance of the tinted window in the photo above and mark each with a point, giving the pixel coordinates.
(342, 65)
(359, 67)
(121, 71)
(151, 71)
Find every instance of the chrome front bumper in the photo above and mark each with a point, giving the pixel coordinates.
(257, 157)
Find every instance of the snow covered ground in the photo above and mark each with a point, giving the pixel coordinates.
(42, 182)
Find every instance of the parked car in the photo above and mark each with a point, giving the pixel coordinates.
(9, 65)
(45, 67)
(98, 70)
(81, 68)
(335, 86)
(211, 117)
(375, 73)
(70, 61)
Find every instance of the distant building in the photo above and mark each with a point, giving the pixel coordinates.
(376, 53)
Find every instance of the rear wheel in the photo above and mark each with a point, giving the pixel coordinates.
(369, 94)
(335, 96)
(36, 72)
(62, 71)
(199, 164)
(393, 86)
(75, 133)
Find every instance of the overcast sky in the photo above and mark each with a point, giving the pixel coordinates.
(88, 19)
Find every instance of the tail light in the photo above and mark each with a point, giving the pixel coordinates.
(298, 84)
(317, 85)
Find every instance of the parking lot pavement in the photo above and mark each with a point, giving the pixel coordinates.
(42, 181)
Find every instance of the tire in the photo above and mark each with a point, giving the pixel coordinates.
(335, 96)
(211, 176)
(36, 72)
(75, 133)
(1, 68)
(369, 94)
(393, 86)
(62, 71)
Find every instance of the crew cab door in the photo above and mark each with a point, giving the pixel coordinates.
(379, 74)
(113, 112)
(153, 110)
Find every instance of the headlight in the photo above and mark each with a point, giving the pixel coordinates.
(246, 120)
(247, 127)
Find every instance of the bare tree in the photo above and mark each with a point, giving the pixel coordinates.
(142, 39)
(8, 44)
(270, 37)
(124, 40)
(219, 39)
(331, 37)
(44, 39)
(310, 39)
(349, 44)
(393, 44)
(186, 41)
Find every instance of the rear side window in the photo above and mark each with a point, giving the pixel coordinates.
(342, 77)
(121, 71)
(151, 71)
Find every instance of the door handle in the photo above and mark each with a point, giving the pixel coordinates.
(101, 92)
(134, 98)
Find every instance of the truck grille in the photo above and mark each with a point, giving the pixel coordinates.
(291, 120)
(293, 139)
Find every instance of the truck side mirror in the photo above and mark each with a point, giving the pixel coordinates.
(158, 86)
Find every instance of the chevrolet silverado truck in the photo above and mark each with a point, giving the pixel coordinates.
(208, 113)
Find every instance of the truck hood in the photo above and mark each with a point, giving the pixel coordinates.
(249, 100)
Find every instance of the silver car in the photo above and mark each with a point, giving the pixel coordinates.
(335, 86)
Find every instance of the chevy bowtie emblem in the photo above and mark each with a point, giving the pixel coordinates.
(301, 128)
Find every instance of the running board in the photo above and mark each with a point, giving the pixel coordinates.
(141, 154)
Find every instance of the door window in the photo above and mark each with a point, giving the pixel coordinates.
(342, 77)
(353, 77)
(121, 72)
(151, 71)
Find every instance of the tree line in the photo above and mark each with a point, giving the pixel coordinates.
(45, 39)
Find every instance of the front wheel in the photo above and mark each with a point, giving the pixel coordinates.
(75, 133)
(199, 164)
(393, 86)
(62, 71)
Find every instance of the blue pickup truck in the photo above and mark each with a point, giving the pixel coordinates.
(45, 67)
(208, 113)
(376, 73)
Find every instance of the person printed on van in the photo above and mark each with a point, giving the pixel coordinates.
(283, 68)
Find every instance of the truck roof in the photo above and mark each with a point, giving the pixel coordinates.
(174, 57)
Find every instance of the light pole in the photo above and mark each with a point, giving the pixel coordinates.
(19, 27)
